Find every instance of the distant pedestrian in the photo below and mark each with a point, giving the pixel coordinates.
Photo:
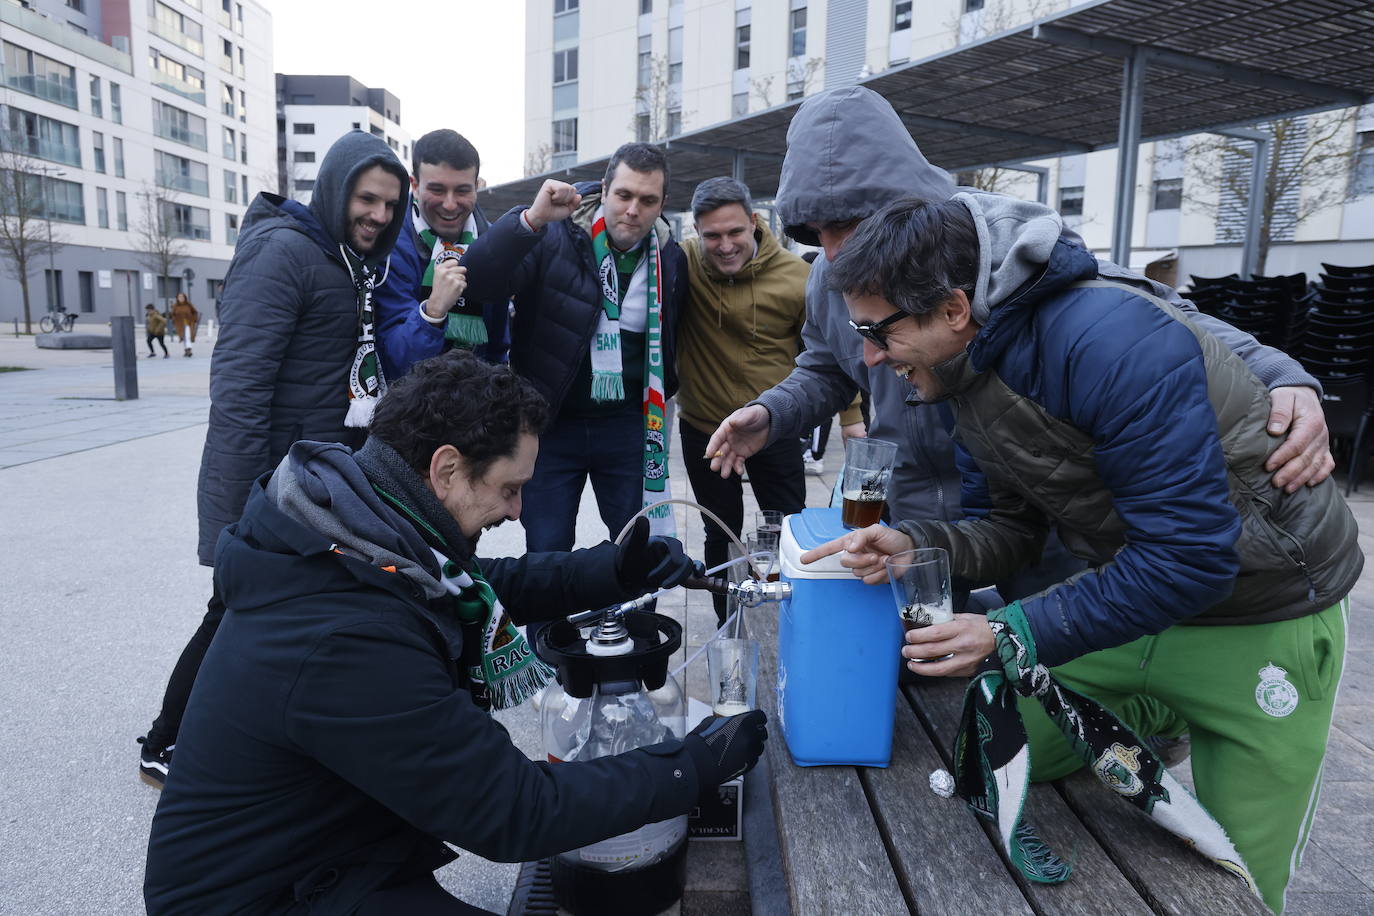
(185, 318)
(157, 330)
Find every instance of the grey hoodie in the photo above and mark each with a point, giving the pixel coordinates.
(848, 155)
(351, 155)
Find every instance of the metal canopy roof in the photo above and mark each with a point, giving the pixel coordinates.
(1054, 87)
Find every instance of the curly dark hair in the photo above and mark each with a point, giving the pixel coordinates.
(457, 399)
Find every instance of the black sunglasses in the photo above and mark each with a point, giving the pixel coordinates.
(877, 332)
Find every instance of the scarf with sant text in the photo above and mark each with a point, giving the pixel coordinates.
(608, 382)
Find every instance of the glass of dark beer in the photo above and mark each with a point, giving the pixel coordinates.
(920, 583)
(863, 488)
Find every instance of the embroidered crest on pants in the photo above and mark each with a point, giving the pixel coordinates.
(1275, 694)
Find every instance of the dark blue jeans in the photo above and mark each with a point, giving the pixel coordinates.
(609, 450)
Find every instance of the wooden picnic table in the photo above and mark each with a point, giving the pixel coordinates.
(867, 840)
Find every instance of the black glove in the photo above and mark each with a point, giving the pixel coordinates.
(723, 748)
(651, 563)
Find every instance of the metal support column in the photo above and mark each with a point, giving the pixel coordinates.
(737, 166)
(1254, 213)
(1128, 154)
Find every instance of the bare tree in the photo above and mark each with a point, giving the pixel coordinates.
(998, 16)
(804, 73)
(26, 234)
(996, 178)
(657, 102)
(763, 88)
(159, 246)
(537, 160)
(287, 175)
(1309, 167)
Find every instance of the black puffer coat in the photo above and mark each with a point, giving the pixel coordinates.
(552, 276)
(289, 330)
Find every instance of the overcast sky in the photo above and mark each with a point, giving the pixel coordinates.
(452, 63)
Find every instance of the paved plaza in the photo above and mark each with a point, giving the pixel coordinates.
(99, 590)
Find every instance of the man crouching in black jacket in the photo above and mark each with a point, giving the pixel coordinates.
(339, 731)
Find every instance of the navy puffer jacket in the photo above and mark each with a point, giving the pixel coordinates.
(552, 276)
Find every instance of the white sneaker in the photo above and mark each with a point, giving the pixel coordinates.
(814, 466)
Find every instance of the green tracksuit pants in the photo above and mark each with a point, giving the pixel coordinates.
(1257, 701)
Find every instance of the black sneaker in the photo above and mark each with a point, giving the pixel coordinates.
(153, 764)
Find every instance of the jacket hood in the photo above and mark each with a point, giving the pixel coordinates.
(848, 154)
(1023, 258)
(351, 155)
(321, 486)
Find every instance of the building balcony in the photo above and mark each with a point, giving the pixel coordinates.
(179, 182)
(59, 34)
(51, 150)
(170, 130)
(179, 86)
(176, 36)
(193, 231)
(44, 87)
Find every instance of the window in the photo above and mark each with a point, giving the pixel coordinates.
(739, 104)
(795, 89)
(226, 99)
(102, 208)
(186, 222)
(642, 128)
(305, 128)
(971, 5)
(226, 57)
(1071, 201)
(176, 76)
(242, 66)
(116, 104)
(46, 138)
(172, 123)
(98, 148)
(675, 56)
(1362, 182)
(238, 19)
(303, 156)
(230, 143)
(564, 66)
(564, 6)
(61, 199)
(646, 6)
(52, 279)
(565, 135)
(742, 38)
(78, 5)
(182, 174)
(34, 74)
(231, 237)
(797, 29)
(646, 61)
(171, 25)
(901, 15)
(214, 289)
(674, 122)
(97, 108)
(121, 211)
(231, 187)
(119, 157)
(304, 184)
(1168, 194)
(243, 105)
(244, 179)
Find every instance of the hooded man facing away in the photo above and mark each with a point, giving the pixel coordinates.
(339, 732)
(849, 155)
(296, 356)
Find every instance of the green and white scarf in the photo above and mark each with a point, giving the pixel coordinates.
(608, 381)
(465, 327)
(506, 672)
(992, 760)
(366, 382)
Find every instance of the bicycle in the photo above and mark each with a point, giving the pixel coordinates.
(58, 319)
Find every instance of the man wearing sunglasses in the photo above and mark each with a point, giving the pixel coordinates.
(849, 155)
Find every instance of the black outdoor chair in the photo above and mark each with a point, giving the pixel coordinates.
(1346, 404)
(1336, 270)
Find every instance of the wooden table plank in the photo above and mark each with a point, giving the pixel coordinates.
(944, 859)
(832, 850)
(1095, 879)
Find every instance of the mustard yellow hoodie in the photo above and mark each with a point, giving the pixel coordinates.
(739, 335)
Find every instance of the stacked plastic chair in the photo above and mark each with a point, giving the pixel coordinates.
(1209, 294)
(1339, 351)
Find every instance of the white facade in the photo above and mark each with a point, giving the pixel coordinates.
(168, 97)
(701, 62)
(314, 111)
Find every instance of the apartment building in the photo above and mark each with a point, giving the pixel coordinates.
(602, 72)
(314, 111)
(125, 111)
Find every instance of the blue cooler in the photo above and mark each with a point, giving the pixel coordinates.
(839, 644)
